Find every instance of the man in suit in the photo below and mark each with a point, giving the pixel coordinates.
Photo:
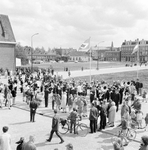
(55, 128)
(33, 107)
(93, 117)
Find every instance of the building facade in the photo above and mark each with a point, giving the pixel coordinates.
(79, 56)
(113, 55)
(7, 44)
(64, 51)
(38, 55)
(127, 49)
(100, 53)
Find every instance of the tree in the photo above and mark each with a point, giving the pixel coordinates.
(19, 51)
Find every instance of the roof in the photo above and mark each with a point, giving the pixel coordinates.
(78, 53)
(6, 32)
(35, 54)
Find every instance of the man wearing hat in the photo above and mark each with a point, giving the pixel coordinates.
(69, 146)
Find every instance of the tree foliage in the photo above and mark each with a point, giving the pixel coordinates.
(19, 51)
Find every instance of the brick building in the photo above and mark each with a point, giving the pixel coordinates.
(127, 49)
(100, 53)
(40, 55)
(7, 44)
(113, 55)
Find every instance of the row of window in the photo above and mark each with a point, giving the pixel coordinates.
(141, 48)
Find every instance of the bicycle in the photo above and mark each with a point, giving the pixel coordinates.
(129, 134)
(135, 125)
(81, 128)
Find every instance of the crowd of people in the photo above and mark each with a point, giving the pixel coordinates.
(98, 100)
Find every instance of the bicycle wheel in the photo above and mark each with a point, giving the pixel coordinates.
(83, 130)
(131, 134)
(63, 129)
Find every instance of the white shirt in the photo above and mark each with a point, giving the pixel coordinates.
(5, 141)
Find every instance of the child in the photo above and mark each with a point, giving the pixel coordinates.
(139, 115)
(144, 96)
(124, 126)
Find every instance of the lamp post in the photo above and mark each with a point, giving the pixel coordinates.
(98, 55)
(32, 51)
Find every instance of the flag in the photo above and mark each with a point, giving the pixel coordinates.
(85, 46)
(136, 48)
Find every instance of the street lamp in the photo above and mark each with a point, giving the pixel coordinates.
(98, 55)
(32, 51)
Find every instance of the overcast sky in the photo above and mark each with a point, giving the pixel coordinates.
(68, 23)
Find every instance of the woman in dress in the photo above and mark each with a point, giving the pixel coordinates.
(63, 101)
(70, 102)
(112, 113)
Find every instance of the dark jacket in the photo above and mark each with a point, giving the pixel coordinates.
(20, 147)
(33, 105)
(73, 116)
(143, 147)
(93, 113)
(55, 123)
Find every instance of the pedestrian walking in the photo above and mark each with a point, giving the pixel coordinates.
(55, 128)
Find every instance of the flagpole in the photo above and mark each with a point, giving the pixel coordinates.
(90, 63)
(137, 63)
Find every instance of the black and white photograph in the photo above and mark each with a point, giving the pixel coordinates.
(73, 75)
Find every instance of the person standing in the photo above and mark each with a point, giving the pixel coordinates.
(116, 99)
(5, 93)
(63, 101)
(55, 128)
(46, 92)
(93, 117)
(73, 118)
(5, 139)
(33, 107)
(137, 86)
(112, 113)
(13, 92)
(30, 144)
